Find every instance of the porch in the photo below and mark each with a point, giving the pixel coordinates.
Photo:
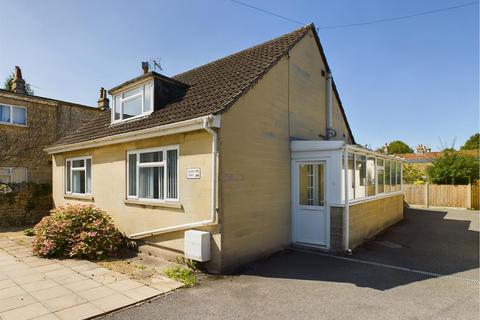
(335, 211)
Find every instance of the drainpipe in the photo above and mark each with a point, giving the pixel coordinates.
(346, 225)
(214, 168)
(213, 217)
(329, 130)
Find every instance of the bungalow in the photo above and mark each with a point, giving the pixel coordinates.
(233, 160)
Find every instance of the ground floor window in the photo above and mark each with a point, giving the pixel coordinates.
(78, 175)
(152, 174)
(13, 174)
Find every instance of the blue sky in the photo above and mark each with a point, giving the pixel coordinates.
(414, 79)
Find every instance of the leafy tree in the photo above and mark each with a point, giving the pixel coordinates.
(413, 175)
(454, 168)
(472, 143)
(398, 147)
(7, 85)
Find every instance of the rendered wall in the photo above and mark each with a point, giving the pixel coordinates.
(109, 186)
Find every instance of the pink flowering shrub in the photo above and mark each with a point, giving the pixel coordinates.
(77, 231)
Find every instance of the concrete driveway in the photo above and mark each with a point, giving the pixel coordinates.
(426, 267)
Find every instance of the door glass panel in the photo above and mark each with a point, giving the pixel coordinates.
(311, 185)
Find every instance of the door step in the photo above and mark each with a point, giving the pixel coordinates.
(156, 251)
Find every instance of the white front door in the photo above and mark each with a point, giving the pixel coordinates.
(310, 216)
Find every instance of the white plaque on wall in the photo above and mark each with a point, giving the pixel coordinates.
(193, 173)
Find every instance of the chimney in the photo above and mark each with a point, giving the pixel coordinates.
(420, 149)
(145, 67)
(385, 148)
(18, 84)
(103, 102)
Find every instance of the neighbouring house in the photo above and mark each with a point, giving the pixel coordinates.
(28, 124)
(424, 159)
(249, 149)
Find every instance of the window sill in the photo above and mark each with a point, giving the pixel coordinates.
(367, 199)
(153, 204)
(78, 196)
(14, 124)
(139, 117)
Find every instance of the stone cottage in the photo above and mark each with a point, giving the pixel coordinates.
(28, 124)
(233, 160)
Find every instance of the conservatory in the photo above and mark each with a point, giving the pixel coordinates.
(335, 211)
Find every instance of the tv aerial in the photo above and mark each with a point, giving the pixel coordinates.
(154, 64)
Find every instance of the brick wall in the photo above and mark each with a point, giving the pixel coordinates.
(27, 204)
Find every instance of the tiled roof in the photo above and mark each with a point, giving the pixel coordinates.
(212, 89)
(430, 156)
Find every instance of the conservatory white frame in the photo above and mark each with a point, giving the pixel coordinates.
(336, 155)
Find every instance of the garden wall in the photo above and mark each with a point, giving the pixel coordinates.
(24, 203)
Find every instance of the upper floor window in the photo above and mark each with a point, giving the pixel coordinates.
(133, 103)
(13, 115)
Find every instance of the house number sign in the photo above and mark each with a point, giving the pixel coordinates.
(193, 173)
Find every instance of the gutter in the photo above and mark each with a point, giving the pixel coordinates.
(171, 128)
(213, 218)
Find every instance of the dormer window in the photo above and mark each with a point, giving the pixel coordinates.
(132, 103)
(142, 95)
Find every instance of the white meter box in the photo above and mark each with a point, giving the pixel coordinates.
(197, 245)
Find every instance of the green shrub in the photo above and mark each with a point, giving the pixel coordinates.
(29, 232)
(76, 231)
(184, 275)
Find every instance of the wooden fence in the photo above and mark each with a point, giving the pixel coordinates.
(439, 195)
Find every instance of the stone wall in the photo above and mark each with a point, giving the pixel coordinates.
(47, 121)
(336, 229)
(25, 204)
(366, 220)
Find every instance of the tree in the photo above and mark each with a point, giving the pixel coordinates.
(454, 168)
(9, 82)
(398, 147)
(413, 175)
(472, 143)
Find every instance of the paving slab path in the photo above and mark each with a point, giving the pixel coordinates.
(38, 288)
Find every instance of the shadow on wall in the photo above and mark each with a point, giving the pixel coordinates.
(24, 204)
(433, 241)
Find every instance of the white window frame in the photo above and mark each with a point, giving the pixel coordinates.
(8, 174)
(123, 100)
(381, 167)
(163, 164)
(84, 168)
(393, 176)
(10, 123)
